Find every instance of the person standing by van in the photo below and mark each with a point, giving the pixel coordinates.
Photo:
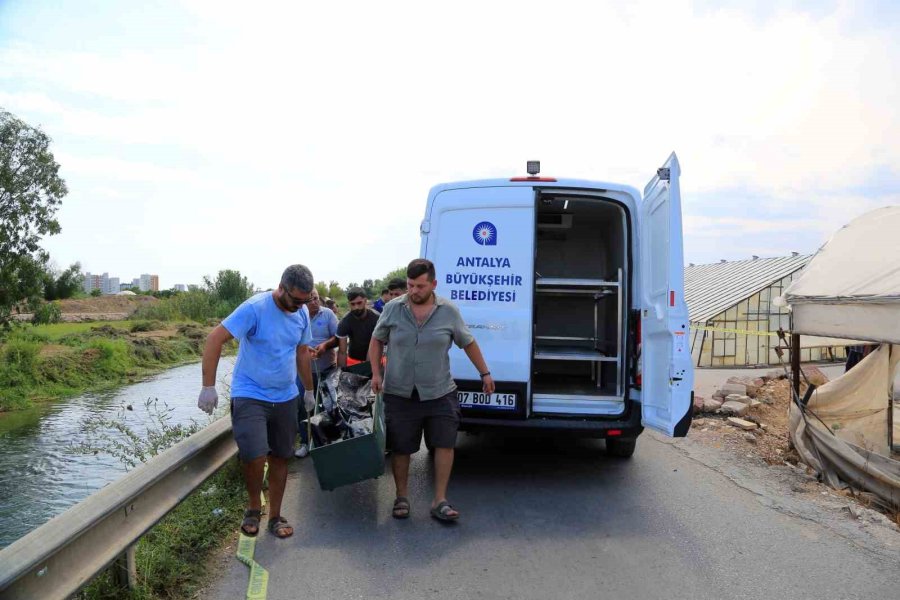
(274, 331)
(419, 392)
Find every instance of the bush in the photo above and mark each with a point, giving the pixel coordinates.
(21, 354)
(196, 305)
(146, 326)
(18, 369)
(113, 356)
(47, 313)
(163, 310)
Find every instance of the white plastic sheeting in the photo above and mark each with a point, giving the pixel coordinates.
(843, 431)
(851, 288)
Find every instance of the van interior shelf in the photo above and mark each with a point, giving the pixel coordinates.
(554, 352)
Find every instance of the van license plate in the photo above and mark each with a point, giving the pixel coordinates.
(487, 401)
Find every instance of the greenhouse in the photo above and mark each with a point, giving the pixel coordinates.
(734, 318)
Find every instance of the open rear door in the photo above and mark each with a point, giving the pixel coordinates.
(668, 375)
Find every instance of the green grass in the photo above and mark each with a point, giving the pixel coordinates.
(47, 362)
(57, 331)
(172, 559)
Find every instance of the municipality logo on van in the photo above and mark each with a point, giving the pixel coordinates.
(485, 234)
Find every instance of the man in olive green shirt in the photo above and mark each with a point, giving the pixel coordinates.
(419, 392)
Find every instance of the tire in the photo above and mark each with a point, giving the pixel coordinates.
(620, 448)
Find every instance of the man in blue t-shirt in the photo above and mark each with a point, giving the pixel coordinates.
(274, 333)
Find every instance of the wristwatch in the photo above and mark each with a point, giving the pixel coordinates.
(485, 374)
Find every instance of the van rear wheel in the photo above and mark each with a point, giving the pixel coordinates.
(620, 448)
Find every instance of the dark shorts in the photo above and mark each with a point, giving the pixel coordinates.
(263, 428)
(407, 419)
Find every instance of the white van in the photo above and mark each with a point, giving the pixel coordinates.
(575, 292)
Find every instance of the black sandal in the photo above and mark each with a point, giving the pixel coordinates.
(279, 524)
(442, 511)
(401, 508)
(251, 519)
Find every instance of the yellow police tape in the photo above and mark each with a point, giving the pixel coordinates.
(258, 587)
(738, 331)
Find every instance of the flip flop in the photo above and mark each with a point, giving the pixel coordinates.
(280, 524)
(442, 511)
(251, 519)
(401, 508)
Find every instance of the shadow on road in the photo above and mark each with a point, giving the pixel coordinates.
(508, 488)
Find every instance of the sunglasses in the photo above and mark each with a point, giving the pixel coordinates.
(294, 300)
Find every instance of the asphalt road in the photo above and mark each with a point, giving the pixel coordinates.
(549, 520)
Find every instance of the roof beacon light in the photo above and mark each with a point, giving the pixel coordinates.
(534, 167)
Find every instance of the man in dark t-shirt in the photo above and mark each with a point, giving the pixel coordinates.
(355, 330)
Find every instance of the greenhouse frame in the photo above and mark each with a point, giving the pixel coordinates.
(733, 317)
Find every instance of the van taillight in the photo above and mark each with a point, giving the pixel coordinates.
(614, 432)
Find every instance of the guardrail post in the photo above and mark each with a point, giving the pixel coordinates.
(125, 569)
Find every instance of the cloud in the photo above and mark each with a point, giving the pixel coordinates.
(321, 127)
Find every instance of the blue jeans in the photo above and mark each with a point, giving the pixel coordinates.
(302, 415)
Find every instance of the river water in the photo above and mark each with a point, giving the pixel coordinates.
(41, 476)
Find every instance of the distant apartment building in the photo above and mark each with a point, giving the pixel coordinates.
(125, 286)
(180, 287)
(154, 283)
(136, 283)
(91, 283)
(112, 286)
(145, 282)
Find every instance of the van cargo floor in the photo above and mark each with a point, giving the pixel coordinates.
(570, 385)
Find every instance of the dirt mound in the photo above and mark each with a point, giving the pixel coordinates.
(769, 440)
(105, 304)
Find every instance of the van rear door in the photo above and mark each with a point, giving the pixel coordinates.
(481, 241)
(668, 375)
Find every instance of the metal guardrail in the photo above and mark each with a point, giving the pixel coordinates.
(61, 556)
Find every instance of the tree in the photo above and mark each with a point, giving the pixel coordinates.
(229, 289)
(381, 284)
(330, 290)
(31, 192)
(21, 282)
(60, 285)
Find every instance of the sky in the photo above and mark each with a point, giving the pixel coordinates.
(196, 136)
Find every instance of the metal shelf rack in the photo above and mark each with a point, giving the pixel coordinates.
(587, 348)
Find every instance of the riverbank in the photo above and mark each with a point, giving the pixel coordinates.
(57, 454)
(47, 362)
